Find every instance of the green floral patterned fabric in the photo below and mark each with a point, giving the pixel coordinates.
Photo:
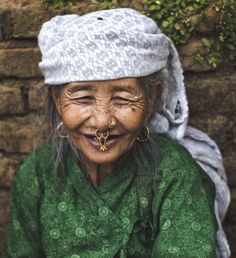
(67, 217)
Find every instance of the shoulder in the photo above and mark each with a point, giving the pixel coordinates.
(177, 164)
(175, 160)
(170, 151)
(30, 172)
(40, 157)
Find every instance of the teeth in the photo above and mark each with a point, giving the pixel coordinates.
(94, 138)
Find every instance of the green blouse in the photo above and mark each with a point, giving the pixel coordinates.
(125, 216)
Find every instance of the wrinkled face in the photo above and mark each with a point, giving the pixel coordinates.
(115, 106)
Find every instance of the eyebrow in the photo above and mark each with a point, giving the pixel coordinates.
(81, 87)
(127, 88)
(114, 88)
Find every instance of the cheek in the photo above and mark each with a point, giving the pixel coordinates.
(73, 116)
(132, 119)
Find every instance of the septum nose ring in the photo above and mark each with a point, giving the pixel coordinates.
(102, 139)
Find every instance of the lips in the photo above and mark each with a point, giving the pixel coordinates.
(111, 139)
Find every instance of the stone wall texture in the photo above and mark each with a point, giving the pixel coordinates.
(211, 93)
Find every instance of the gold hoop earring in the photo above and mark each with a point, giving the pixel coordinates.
(102, 139)
(146, 135)
(58, 131)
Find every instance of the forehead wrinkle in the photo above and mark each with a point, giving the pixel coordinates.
(97, 86)
(77, 87)
(127, 88)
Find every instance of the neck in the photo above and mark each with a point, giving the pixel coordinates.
(97, 172)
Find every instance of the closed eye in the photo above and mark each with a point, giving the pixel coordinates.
(121, 101)
(84, 100)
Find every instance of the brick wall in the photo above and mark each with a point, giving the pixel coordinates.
(211, 94)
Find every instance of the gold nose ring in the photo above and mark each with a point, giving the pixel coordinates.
(102, 139)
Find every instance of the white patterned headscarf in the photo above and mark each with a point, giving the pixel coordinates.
(120, 43)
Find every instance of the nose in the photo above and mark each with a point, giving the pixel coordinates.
(103, 118)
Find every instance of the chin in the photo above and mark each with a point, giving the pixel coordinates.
(103, 157)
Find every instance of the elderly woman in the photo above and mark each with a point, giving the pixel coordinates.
(108, 185)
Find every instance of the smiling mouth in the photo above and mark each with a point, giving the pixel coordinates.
(110, 141)
(110, 137)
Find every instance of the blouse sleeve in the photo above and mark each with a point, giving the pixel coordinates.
(184, 209)
(23, 238)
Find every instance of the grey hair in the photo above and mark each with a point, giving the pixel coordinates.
(148, 152)
(60, 145)
(142, 152)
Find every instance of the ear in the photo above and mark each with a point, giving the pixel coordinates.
(56, 98)
(153, 99)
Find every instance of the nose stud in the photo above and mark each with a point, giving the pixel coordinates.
(102, 139)
(113, 122)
